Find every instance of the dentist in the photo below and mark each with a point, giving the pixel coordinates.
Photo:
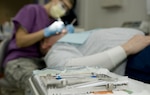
(32, 24)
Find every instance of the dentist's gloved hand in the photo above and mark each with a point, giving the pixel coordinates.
(54, 28)
(70, 28)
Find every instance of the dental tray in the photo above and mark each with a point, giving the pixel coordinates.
(76, 82)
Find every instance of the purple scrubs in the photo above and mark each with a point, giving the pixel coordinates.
(32, 18)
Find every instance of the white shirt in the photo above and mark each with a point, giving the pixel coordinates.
(102, 48)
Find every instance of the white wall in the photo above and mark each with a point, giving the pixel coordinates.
(92, 15)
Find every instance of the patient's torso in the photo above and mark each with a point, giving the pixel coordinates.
(103, 39)
(98, 41)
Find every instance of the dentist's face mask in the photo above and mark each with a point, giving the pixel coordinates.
(57, 10)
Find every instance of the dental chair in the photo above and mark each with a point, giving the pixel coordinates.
(3, 48)
(4, 84)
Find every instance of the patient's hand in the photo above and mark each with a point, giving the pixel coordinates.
(136, 44)
(47, 43)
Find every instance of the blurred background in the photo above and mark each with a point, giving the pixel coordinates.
(90, 14)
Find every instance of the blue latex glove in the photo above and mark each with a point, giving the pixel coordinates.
(54, 28)
(70, 28)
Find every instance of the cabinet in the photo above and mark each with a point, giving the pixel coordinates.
(111, 3)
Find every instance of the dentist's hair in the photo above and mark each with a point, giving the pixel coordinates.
(72, 2)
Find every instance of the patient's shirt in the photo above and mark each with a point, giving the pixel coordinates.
(98, 41)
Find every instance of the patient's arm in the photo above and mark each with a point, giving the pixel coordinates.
(107, 59)
(136, 44)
